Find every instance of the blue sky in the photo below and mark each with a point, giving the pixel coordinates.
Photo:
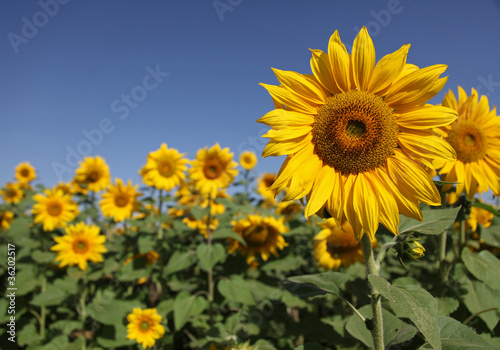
(118, 78)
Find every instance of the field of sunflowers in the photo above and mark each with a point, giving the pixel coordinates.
(373, 233)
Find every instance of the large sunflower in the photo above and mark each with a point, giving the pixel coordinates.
(12, 193)
(54, 209)
(82, 243)
(356, 134)
(165, 168)
(93, 174)
(25, 173)
(144, 326)
(262, 235)
(475, 136)
(213, 169)
(119, 201)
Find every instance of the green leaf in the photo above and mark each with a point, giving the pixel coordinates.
(491, 235)
(226, 232)
(326, 282)
(51, 296)
(480, 297)
(20, 226)
(179, 261)
(310, 346)
(105, 309)
(446, 305)
(27, 335)
(435, 221)
(208, 256)
(287, 263)
(236, 289)
(486, 207)
(26, 281)
(57, 342)
(187, 306)
(416, 303)
(484, 266)
(43, 257)
(262, 344)
(114, 336)
(146, 244)
(66, 326)
(456, 336)
(199, 212)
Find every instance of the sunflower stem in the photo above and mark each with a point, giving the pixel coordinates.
(462, 235)
(372, 268)
(160, 204)
(384, 249)
(442, 253)
(42, 310)
(354, 310)
(83, 315)
(210, 270)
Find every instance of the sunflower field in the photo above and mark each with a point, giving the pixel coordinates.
(376, 233)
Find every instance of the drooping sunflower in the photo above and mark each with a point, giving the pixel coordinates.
(54, 209)
(475, 136)
(82, 243)
(12, 193)
(144, 326)
(25, 173)
(6, 218)
(356, 134)
(213, 169)
(118, 202)
(263, 235)
(335, 246)
(165, 168)
(93, 174)
(248, 160)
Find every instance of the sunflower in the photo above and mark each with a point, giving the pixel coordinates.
(6, 218)
(248, 160)
(289, 208)
(165, 168)
(144, 326)
(475, 136)
(213, 169)
(119, 201)
(66, 188)
(25, 173)
(201, 225)
(151, 257)
(12, 193)
(478, 216)
(335, 246)
(93, 174)
(356, 134)
(80, 244)
(263, 235)
(263, 184)
(54, 209)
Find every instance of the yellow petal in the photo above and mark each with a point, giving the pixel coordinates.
(291, 164)
(426, 145)
(336, 200)
(363, 59)
(339, 62)
(389, 213)
(302, 180)
(426, 117)
(299, 85)
(278, 118)
(388, 69)
(291, 101)
(322, 190)
(288, 133)
(284, 148)
(321, 68)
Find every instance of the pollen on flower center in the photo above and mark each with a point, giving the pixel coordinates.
(354, 132)
(468, 140)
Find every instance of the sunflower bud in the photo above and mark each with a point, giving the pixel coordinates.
(409, 249)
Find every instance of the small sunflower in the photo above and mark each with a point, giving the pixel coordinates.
(82, 243)
(289, 208)
(12, 193)
(263, 184)
(248, 160)
(25, 173)
(54, 209)
(165, 168)
(475, 136)
(335, 246)
(119, 201)
(478, 216)
(202, 225)
(213, 169)
(93, 174)
(6, 218)
(357, 134)
(144, 326)
(263, 235)
(66, 188)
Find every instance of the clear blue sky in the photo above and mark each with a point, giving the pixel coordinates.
(68, 69)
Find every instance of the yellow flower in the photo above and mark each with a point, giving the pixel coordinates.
(12, 193)
(66, 188)
(93, 173)
(6, 218)
(475, 136)
(248, 160)
(263, 235)
(479, 216)
(25, 173)
(356, 134)
(144, 326)
(54, 209)
(165, 168)
(263, 185)
(201, 225)
(335, 246)
(119, 201)
(416, 250)
(213, 169)
(82, 243)
(289, 208)
(451, 198)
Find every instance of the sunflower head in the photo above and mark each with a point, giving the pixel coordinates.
(6, 218)
(248, 160)
(262, 235)
(82, 243)
(119, 201)
(25, 173)
(475, 137)
(357, 133)
(263, 184)
(165, 168)
(12, 193)
(144, 325)
(54, 209)
(93, 174)
(213, 169)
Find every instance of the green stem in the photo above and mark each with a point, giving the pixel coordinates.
(83, 316)
(442, 254)
(160, 204)
(42, 310)
(354, 310)
(372, 268)
(210, 270)
(462, 235)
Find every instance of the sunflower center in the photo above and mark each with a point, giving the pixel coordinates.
(354, 132)
(144, 326)
(80, 247)
(212, 170)
(54, 208)
(93, 176)
(25, 172)
(256, 235)
(165, 168)
(121, 200)
(468, 140)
